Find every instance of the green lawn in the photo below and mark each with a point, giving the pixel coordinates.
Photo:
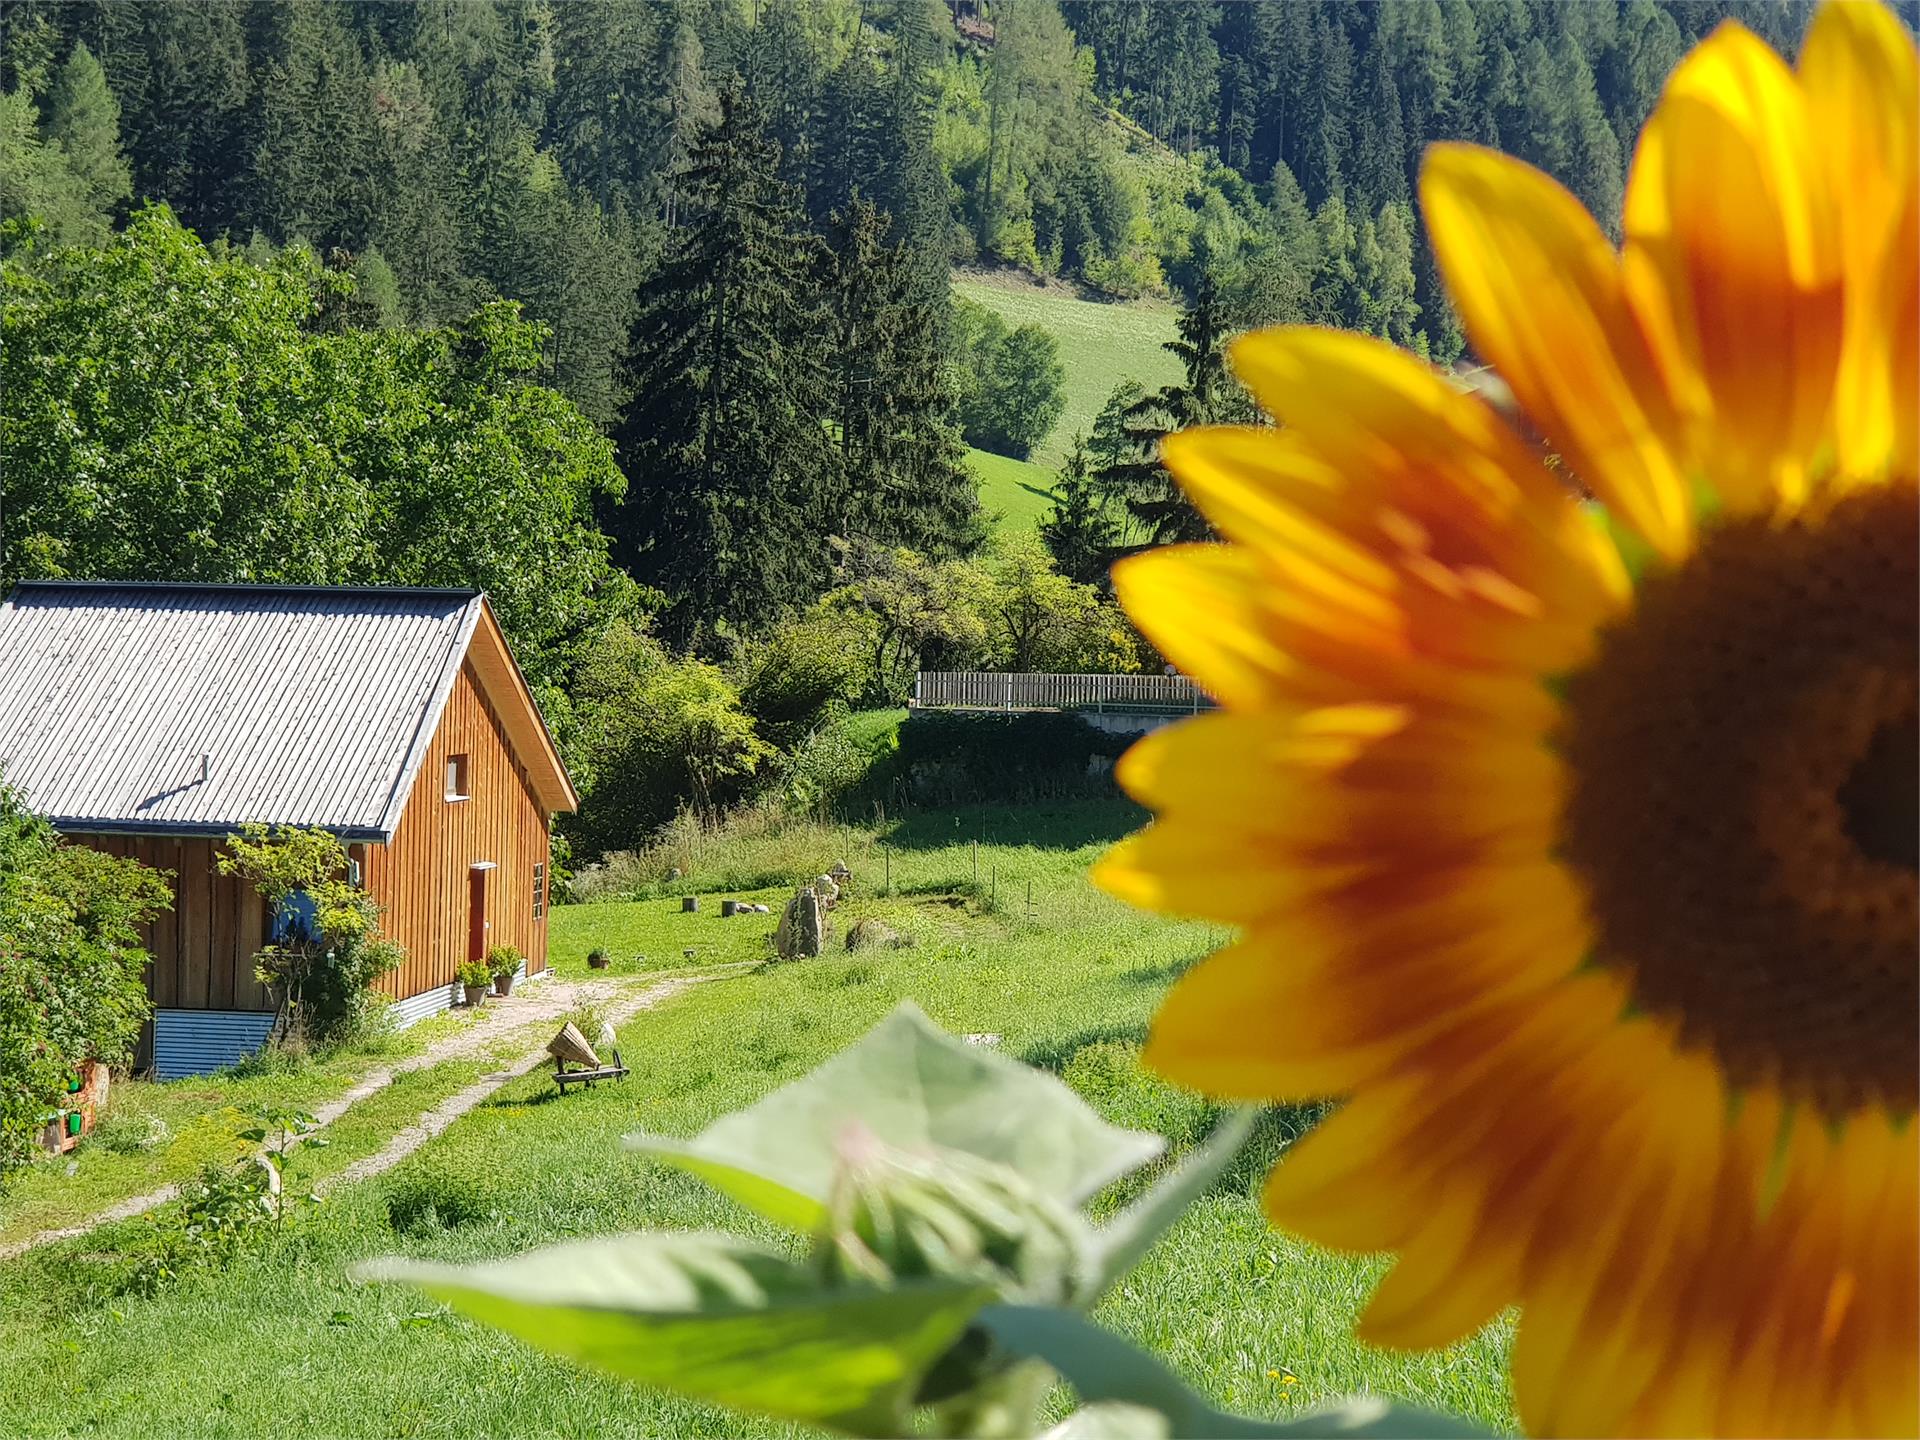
(281, 1343)
(160, 1133)
(1101, 344)
(1016, 493)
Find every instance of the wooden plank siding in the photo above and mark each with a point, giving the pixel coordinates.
(422, 876)
(203, 948)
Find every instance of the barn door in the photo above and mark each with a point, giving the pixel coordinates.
(478, 924)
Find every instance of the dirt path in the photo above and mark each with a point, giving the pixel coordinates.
(413, 1136)
(520, 1018)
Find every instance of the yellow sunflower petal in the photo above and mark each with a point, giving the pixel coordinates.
(1320, 785)
(1733, 264)
(1197, 870)
(1541, 293)
(1235, 656)
(1380, 451)
(1336, 981)
(1858, 70)
(1585, 1348)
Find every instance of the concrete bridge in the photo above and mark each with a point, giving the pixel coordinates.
(1122, 704)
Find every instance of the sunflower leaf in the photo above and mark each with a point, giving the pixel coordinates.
(1132, 1233)
(1114, 1376)
(716, 1318)
(912, 1087)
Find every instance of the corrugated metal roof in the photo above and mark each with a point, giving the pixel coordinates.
(188, 709)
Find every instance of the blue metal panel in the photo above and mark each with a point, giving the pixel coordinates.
(199, 1042)
(416, 1008)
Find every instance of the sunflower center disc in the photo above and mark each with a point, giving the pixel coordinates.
(1745, 807)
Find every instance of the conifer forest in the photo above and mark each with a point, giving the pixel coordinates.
(638, 314)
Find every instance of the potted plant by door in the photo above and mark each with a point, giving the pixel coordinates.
(503, 962)
(473, 977)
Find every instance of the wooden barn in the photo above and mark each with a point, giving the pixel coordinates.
(154, 720)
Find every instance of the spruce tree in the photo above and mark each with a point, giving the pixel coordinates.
(1080, 531)
(892, 407)
(1380, 159)
(735, 486)
(318, 141)
(1326, 133)
(603, 80)
(84, 118)
(1209, 395)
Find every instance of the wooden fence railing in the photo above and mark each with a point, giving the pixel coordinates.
(987, 690)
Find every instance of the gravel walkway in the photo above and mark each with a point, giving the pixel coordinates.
(521, 1017)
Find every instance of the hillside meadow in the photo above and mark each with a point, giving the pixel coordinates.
(1102, 343)
(1007, 939)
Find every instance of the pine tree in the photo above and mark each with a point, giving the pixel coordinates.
(601, 111)
(684, 106)
(1380, 163)
(906, 480)
(28, 43)
(419, 229)
(1209, 395)
(735, 484)
(1326, 122)
(84, 118)
(1337, 297)
(318, 145)
(912, 186)
(1080, 532)
(1386, 276)
(575, 269)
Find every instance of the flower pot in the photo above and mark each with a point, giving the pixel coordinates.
(503, 984)
(475, 993)
(597, 961)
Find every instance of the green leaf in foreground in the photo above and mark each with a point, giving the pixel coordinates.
(714, 1317)
(1120, 1380)
(1131, 1233)
(913, 1088)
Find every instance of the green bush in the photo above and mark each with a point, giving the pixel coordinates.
(1011, 384)
(957, 757)
(656, 731)
(323, 985)
(72, 985)
(223, 1211)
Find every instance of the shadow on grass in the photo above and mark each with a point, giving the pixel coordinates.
(1278, 1128)
(1054, 1052)
(1042, 825)
(1165, 973)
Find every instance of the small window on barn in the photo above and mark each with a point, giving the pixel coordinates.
(539, 891)
(457, 777)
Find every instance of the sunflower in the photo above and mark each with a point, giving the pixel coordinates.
(1571, 842)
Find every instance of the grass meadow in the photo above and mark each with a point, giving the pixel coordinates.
(1101, 344)
(1017, 494)
(282, 1343)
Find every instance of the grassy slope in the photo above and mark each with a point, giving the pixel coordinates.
(1018, 494)
(1101, 344)
(282, 1343)
(190, 1123)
